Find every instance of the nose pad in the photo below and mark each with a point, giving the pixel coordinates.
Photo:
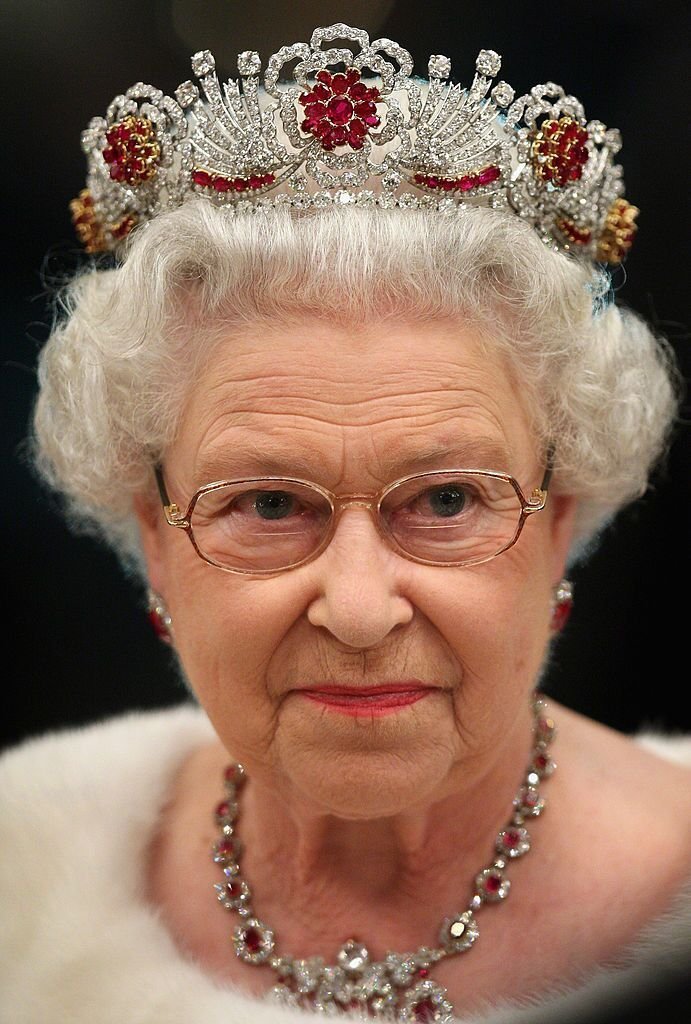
(359, 600)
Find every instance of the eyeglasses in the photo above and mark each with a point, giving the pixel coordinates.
(268, 524)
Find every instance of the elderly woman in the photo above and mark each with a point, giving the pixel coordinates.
(350, 437)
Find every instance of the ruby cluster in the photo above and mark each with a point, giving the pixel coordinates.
(221, 184)
(132, 152)
(559, 151)
(465, 183)
(577, 236)
(619, 232)
(340, 110)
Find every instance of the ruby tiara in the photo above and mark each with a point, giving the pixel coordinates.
(354, 126)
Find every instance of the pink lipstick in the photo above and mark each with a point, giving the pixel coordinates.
(368, 700)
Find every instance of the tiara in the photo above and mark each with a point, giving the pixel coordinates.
(355, 126)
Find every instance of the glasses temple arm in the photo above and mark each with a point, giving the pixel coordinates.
(170, 508)
(549, 468)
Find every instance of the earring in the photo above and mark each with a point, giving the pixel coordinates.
(159, 617)
(562, 603)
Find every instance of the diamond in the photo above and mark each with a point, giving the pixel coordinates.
(249, 62)
(353, 956)
(391, 180)
(502, 94)
(488, 63)
(186, 94)
(203, 63)
(439, 66)
(459, 932)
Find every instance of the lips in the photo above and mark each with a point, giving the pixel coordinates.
(369, 699)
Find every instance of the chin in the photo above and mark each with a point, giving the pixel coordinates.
(362, 784)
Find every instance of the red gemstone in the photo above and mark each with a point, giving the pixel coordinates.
(541, 761)
(432, 182)
(232, 773)
(512, 838)
(234, 889)
(363, 109)
(352, 76)
(321, 128)
(466, 183)
(359, 91)
(253, 940)
(492, 883)
(339, 84)
(355, 141)
(488, 175)
(447, 184)
(317, 111)
(223, 809)
(324, 76)
(203, 178)
(226, 847)
(340, 110)
(338, 136)
(255, 181)
(221, 184)
(357, 127)
(371, 120)
(424, 1011)
(423, 972)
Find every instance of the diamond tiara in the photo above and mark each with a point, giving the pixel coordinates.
(354, 126)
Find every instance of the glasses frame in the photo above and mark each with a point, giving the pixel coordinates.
(339, 503)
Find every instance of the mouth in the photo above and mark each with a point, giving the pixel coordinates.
(369, 700)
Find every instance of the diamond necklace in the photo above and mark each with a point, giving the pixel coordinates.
(397, 988)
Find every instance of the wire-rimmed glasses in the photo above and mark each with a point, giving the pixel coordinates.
(262, 525)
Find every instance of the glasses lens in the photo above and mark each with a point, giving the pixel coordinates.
(452, 517)
(260, 524)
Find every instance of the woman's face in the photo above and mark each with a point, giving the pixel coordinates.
(353, 411)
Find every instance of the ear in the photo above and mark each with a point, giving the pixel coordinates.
(563, 507)
(151, 522)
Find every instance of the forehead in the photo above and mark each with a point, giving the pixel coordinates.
(395, 389)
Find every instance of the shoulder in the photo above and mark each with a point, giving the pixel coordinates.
(104, 777)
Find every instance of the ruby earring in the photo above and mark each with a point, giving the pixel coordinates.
(562, 603)
(159, 617)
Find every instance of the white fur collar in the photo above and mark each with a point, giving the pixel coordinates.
(77, 943)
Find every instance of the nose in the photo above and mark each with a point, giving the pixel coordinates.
(359, 578)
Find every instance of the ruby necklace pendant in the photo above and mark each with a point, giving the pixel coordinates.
(399, 987)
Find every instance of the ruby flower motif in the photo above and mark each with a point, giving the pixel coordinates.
(340, 110)
(559, 152)
(132, 152)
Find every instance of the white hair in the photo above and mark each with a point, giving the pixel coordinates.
(120, 360)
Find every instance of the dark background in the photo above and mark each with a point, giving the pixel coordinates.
(77, 640)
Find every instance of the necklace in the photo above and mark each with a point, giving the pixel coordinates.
(398, 988)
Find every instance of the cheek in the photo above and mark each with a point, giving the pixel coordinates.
(495, 617)
(227, 631)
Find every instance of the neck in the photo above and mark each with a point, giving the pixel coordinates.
(318, 878)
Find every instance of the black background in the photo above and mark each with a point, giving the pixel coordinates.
(77, 640)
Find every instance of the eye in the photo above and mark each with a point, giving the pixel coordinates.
(274, 504)
(447, 500)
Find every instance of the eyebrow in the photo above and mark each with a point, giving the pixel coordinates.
(264, 460)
